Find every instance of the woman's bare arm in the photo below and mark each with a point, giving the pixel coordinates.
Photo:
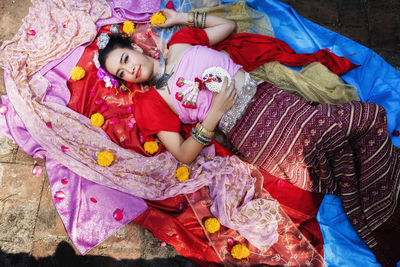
(187, 150)
(217, 28)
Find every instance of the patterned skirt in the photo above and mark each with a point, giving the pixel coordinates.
(336, 149)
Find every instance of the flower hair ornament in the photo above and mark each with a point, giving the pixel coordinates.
(103, 40)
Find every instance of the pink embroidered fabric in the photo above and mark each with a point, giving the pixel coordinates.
(195, 60)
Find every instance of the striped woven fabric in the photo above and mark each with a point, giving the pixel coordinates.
(337, 149)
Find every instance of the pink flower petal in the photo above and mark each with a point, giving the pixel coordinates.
(130, 124)
(59, 195)
(37, 171)
(48, 124)
(39, 155)
(3, 109)
(114, 121)
(163, 244)
(118, 215)
(129, 110)
(64, 149)
(92, 92)
(170, 5)
(103, 108)
(99, 101)
(64, 181)
(181, 206)
(31, 32)
(94, 200)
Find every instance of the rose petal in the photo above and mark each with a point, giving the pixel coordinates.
(31, 32)
(3, 109)
(99, 101)
(163, 244)
(118, 215)
(64, 148)
(64, 181)
(129, 110)
(37, 171)
(114, 121)
(103, 108)
(93, 200)
(59, 195)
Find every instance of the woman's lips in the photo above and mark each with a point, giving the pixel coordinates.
(138, 72)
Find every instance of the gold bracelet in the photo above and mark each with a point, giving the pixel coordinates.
(203, 20)
(191, 19)
(200, 128)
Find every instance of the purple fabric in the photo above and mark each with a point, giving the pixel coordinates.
(87, 223)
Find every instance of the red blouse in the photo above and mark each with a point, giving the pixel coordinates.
(153, 114)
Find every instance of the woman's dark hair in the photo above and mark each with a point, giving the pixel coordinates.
(114, 43)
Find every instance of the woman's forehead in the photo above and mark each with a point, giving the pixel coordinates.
(114, 59)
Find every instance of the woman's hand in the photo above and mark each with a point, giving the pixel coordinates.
(225, 99)
(172, 18)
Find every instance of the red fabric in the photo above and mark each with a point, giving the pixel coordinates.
(193, 36)
(170, 220)
(153, 114)
(252, 50)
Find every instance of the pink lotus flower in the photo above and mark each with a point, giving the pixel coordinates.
(3, 109)
(37, 171)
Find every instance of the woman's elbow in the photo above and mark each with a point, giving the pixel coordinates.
(232, 26)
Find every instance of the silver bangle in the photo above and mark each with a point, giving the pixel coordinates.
(196, 14)
(203, 20)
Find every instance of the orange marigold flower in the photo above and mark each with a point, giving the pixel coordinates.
(212, 225)
(77, 73)
(105, 158)
(128, 27)
(157, 18)
(151, 147)
(182, 174)
(240, 251)
(97, 119)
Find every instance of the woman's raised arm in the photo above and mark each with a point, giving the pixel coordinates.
(217, 28)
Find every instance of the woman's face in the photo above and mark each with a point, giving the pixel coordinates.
(130, 65)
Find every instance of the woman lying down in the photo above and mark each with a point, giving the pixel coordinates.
(339, 149)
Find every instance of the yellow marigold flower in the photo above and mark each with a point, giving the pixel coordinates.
(158, 18)
(240, 251)
(151, 147)
(77, 73)
(128, 27)
(212, 225)
(97, 119)
(182, 173)
(105, 158)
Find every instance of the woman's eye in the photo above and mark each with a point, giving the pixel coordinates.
(126, 59)
(121, 74)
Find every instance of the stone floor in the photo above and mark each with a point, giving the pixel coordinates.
(31, 232)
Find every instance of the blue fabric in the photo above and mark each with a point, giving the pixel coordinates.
(376, 81)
